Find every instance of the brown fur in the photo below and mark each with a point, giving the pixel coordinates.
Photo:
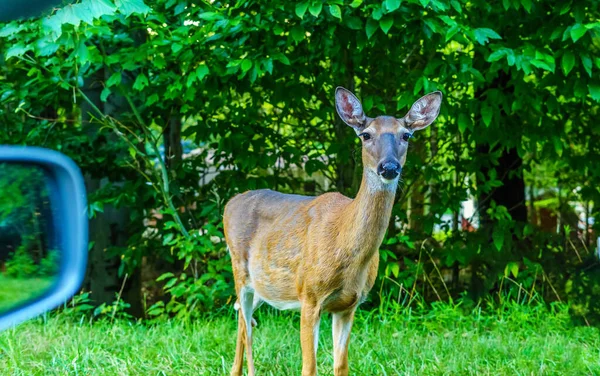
(319, 251)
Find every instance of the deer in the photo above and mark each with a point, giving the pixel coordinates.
(320, 254)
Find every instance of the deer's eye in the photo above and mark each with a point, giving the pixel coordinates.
(365, 136)
(407, 136)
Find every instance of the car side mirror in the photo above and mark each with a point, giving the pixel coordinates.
(43, 232)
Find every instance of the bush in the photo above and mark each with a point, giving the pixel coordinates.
(49, 264)
(21, 264)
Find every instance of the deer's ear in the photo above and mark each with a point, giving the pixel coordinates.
(424, 111)
(349, 109)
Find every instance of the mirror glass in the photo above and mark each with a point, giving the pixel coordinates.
(29, 256)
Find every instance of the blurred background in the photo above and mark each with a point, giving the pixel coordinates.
(29, 256)
(173, 107)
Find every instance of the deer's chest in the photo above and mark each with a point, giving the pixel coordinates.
(347, 289)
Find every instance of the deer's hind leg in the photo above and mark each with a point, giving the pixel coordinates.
(245, 305)
(238, 362)
(241, 280)
(246, 309)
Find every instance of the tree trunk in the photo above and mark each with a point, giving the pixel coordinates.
(109, 228)
(172, 140)
(512, 192)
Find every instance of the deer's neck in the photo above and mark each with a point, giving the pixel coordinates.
(367, 217)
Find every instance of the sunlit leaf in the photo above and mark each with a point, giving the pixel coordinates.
(594, 90)
(392, 5)
(301, 8)
(498, 237)
(371, 27)
(386, 24)
(315, 8)
(568, 62)
(482, 35)
(335, 11)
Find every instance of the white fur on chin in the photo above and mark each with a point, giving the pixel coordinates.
(377, 182)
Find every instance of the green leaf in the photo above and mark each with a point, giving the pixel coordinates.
(202, 71)
(282, 58)
(104, 94)
(558, 146)
(176, 47)
(452, 31)
(594, 90)
(527, 5)
(395, 269)
(11, 29)
(510, 58)
(463, 122)
(83, 12)
(152, 99)
(456, 5)
(297, 33)
(353, 23)
(301, 8)
(141, 81)
(129, 7)
(496, 55)
(335, 11)
(498, 237)
(114, 79)
(356, 3)
(46, 47)
(210, 16)
(482, 35)
(315, 8)
(386, 24)
(586, 61)
(477, 74)
(392, 5)
(16, 50)
(377, 14)
(268, 65)
(568, 62)
(371, 27)
(542, 65)
(511, 268)
(246, 65)
(577, 31)
(486, 115)
(100, 8)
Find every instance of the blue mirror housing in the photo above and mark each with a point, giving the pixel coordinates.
(70, 226)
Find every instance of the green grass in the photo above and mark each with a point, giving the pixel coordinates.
(516, 341)
(16, 291)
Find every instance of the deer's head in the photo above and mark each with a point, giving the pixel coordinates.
(385, 138)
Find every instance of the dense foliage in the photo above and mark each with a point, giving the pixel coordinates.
(171, 110)
(26, 239)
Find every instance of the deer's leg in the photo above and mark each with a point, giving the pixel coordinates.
(309, 337)
(342, 324)
(238, 362)
(246, 303)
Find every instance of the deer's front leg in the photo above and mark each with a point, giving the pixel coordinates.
(342, 324)
(309, 336)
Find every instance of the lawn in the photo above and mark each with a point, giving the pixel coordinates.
(16, 291)
(516, 341)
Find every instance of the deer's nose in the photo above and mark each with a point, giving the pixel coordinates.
(389, 169)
